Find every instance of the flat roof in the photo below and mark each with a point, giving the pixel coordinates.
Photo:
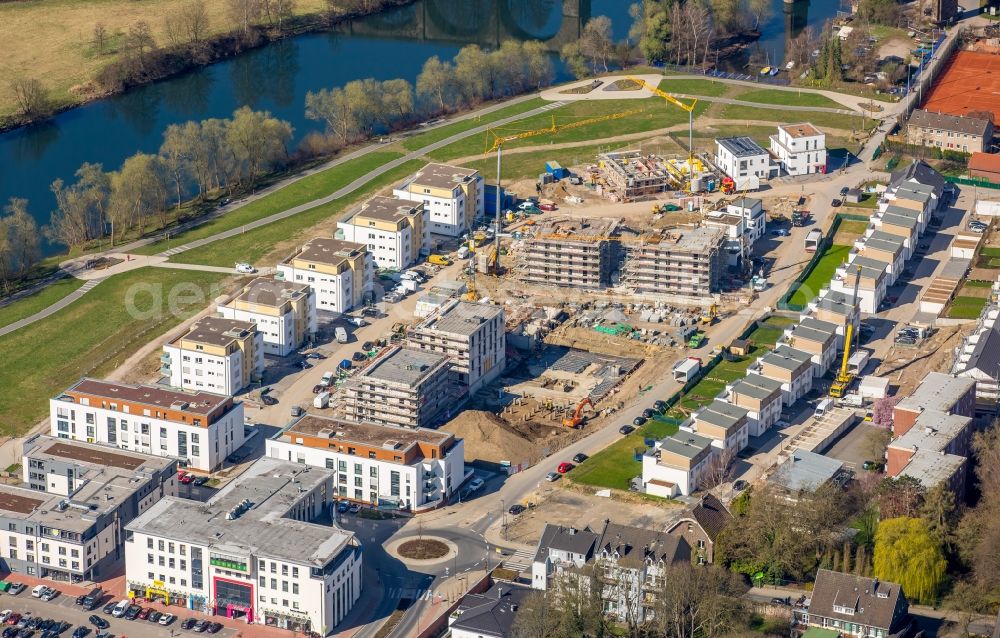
(741, 146)
(217, 331)
(760, 381)
(902, 211)
(404, 365)
(390, 209)
(899, 220)
(440, 176)
(883, 245)
(18, 500)
(800, 331)
(390, 437)
(802, 129)
(686, 444)
(270, 292)
(818, 324)
(273, 488)
(937, 391)
(805, 470)
(569, 228)
(203, 403)
(746, 202)
(92, 456)
(325, 250)
(931, 469)
(720, 413)
(919, 193)
(932, 431)
(787, 357)
(751, 390)
(881, 235)
(460, 317)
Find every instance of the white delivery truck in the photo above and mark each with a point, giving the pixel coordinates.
(322, 400)
(341, 335)
(822, 407)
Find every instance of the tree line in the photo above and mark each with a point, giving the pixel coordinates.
(195, 159)
(360, 108)
(19, 242)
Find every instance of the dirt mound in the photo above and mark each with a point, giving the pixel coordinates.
(490, 438)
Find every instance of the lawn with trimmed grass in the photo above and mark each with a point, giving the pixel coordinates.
(822, 273)
(421, 140)
(818, 118)
(297, 193)
(94, 335)
(708, 88)
(615, 465)
(652, 116)
(770, 330)
(42, 299)
(789, 98)
(966, 307)
(254, 244)
(523, 165)
(714, 382)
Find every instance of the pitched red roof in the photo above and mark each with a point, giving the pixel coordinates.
(985, 162)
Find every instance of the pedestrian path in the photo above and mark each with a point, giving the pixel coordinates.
(520, 561)
(54, 308)
(175, 250)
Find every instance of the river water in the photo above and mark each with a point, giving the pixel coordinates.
(276, 77)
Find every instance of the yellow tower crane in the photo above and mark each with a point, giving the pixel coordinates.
(844, 379)
(687, 107)
(499, 139)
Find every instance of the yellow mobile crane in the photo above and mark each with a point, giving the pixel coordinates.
(687, 107)
(843, 381)
(497, 145)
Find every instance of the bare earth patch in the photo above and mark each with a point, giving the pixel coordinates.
(422, 549)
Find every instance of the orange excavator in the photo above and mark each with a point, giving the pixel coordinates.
(577, 418)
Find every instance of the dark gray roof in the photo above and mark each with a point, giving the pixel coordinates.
(712, 515)
(741, 146)
(567, 539)
(491, 613)
(899, 220)
(894, 209)
(986, 355)
(947, 122)
(921, 172)
(873, 601)
(787, 357)
(800, 331)
(635, 544)
(766, 383)
(818, 324)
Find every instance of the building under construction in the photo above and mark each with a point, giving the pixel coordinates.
(680, 261)
(629, 175)
(574, 253)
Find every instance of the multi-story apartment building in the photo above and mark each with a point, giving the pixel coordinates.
(949, 132)
(396, 231)
(792, 367)
(837, 308)
(853, 606)
(68, 523)
(215, 355)
(871, 285)
(751, 210)
(283, 311)
(677, 464)
(818, 338)
(741, 157)
(760, 397)
(198, 428)
(340, 272)
(572, 253)
(628, 175)
(252, 551)
(408, 468)
(402, 387)
(800, 148)
(737, 246)
(725, 423)
(472, 335)
(452, 195)
(678, 262)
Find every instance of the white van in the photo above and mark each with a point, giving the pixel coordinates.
(322, 400)
(121, 608)
(822, 407)
(341, 335)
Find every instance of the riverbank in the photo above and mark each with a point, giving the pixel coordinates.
(57, 43)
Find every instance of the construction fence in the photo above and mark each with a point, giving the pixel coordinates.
(981, 182)
(824, 244)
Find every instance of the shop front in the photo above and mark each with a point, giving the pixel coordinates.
(233, 599)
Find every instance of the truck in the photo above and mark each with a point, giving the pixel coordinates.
(341, 334)
(801, 217)
(327, 379)
(322, 400)
(439, 260)
(759, 283)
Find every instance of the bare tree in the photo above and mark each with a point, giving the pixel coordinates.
(595, 42)
(138, 192)
(760, 11)
(278, 11)
(138, 42)
(23, 243)
(244, 14)
(100, 38)
(436, 83)
(194, 21)
(30, 95)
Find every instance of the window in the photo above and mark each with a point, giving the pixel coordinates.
(295, 588)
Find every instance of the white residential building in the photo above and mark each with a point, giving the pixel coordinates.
(199, 428)
(396, 231)
(741, 157)
(800, 148)
(407, 468)
(215, 355)
(252, 551)
(472, 335)
(789, 366)
(403, 387)
(68, 522)
(341, 273)
(751, 210)
(284, 312)
(677, 464)
(761, 397)
(452, 195)
(874, 279)
(726, 424)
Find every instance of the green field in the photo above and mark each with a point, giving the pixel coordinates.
(739, 112)
(615, 465)
(299, 192)
(94, 335)
(523, 165)
(254, 244)
(39, 301)
(966, 307)
(821, 274)
(791, 98)
(651, 117)
(708, 88)
(421, 140)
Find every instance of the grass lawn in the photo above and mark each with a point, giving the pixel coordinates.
(40, 300)
(830, 120)
(94, 335)
(256, 243)
(868, 200)
(978, 283)
(304, 190)
(821, 275)
(715, 382)
(852, 227)
(769, 331)
(615, 465)
(654, 116)
(523, 165)
(990, 251)
(708, 88)
(791, 98)
(966, 307)
(423, 139)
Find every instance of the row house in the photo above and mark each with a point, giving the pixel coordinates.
(726, 424)
(676, 464)
(790, 366)
(818, 338)
(760, 397)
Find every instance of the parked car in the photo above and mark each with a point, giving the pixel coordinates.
(626, 429)
(564, 467)
(516, 509)
(316, 355)
(354, 509)
(154, 616)
(110, 607)
(740, 485)
(187, 479)
(200, 626)
(38, 590)
(476, 484)
(579, 457)
(836, 203)
(201, 480)
(4, 615)
(868, 465)
(99, 622)
(132, 612)
(81, 631)
(319, 387)
(13, 619)
(49, 594)
(16, 589)
(844, 191)
(639, 420)
(648, 413)
(245, 268)
(121, 608)
(552, 476)
(187, 624)
(359, 356)
(166, 619)
(143, 613)
(214, 627)
(660, 406)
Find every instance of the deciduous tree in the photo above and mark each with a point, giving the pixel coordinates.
(436, 84)
(23, 237)
(596, 44)
(100, 38)
(906, 553)
(30, 95)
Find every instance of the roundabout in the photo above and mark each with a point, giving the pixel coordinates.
(422, 550)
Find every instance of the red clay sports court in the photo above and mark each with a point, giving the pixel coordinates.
(970, 82)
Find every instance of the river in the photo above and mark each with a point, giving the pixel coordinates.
(276, 77)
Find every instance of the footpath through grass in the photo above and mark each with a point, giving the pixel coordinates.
(39, 301)
(94, 335)
(297, 193)
(833, 256)
(421, 140)
(789, 98)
